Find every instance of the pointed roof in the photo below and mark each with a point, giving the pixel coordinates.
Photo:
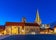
(37, 20)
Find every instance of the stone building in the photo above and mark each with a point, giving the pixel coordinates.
(23, 27)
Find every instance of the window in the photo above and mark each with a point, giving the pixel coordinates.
(18, 29)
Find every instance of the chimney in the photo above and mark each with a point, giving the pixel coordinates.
(24, 19)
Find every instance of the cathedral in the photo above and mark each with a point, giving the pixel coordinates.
(24, 28)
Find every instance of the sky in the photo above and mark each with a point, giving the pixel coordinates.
(14, 10)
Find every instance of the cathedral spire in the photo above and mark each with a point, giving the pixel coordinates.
(37, 20)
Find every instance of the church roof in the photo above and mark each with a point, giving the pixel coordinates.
(20, 24)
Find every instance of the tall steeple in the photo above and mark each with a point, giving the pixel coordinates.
(38, 20)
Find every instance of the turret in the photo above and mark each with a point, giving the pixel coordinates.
(24, 19)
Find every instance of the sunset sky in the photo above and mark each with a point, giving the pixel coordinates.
(14, 10)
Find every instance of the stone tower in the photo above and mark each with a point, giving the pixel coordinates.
(24, 19)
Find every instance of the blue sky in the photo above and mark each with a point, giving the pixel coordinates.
(14, 10)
